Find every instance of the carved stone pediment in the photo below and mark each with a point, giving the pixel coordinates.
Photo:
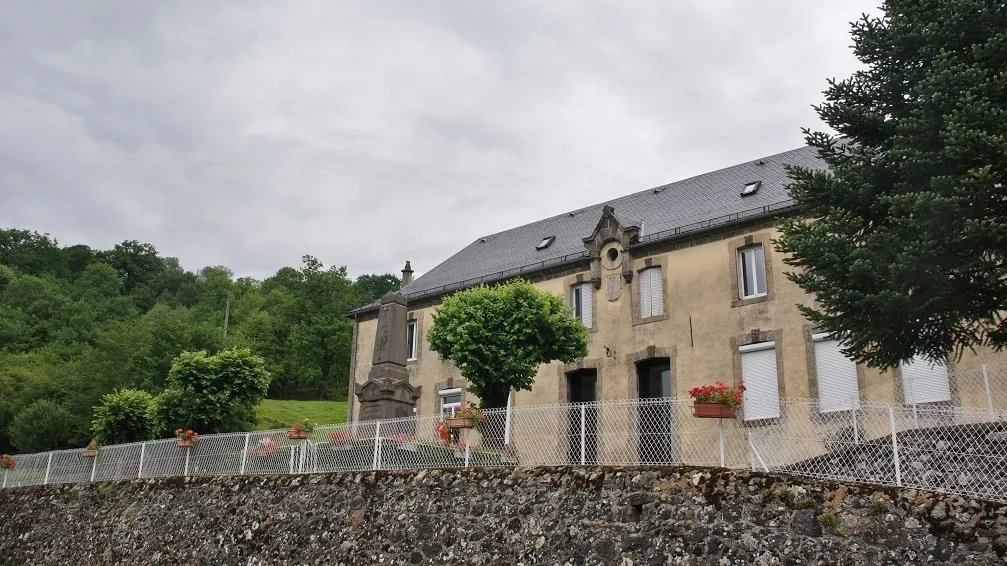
(610, 229)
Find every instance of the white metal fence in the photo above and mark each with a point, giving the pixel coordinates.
(936, 446)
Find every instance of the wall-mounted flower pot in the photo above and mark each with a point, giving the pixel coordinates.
(297, 434)
(712, 410)
(88, 453)
(184, 443)
(457, 423)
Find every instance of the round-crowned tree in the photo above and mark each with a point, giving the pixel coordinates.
(498, 336)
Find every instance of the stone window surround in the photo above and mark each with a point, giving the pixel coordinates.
(754, 337)
(659, 262)
(451, 383)
(417, 317)
(733, 247)
(650, 353)
(955, 401)
(565, 369)
(809, 352)
(579, 279)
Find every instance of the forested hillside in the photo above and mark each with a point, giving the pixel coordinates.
(76, 323)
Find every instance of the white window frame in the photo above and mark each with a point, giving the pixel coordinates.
(846, 403)
(771, 409)
(651, 285)
(754, 272)
(412, 349)
(582, 298)
(446, 408)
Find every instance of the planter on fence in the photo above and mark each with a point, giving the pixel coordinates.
(297, 434)
(88, 453)
(461, 423)
(301, 430)
(186, 438)
(7, 462)
(713, 410)
(717, 401)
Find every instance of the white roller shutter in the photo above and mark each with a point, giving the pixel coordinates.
(646, 302)
(656, 291)
(762, 389)
(925, 382)
(837, 376)
(587, 304)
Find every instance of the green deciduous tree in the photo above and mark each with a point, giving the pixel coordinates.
(44, 425)
(212, 393)
(498, 336)
(906, 252)
(123, 416)
(372, 287)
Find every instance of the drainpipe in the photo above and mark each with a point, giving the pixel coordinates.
(353, 372)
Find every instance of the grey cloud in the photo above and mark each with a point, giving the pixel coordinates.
(366, 134)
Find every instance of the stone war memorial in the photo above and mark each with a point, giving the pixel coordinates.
(387, 393)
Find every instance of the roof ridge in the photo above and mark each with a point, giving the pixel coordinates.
(610, 201)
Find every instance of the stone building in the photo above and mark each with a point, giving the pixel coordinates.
(679, 286)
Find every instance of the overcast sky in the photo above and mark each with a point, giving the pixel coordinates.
(369, 133)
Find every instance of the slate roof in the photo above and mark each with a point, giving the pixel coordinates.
(663, 213)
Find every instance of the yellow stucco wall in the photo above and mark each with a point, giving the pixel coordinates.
(700, 292)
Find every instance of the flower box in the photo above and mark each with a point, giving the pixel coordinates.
(297, 434)
(88, 453)
(713, 410)
(462, 422)
(184, 443)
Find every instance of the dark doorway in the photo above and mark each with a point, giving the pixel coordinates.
(658, 444)
(582, 387)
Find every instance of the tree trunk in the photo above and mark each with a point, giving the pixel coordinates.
(493, 424)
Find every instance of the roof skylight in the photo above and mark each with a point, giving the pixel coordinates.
(751, 188)
(545, 242)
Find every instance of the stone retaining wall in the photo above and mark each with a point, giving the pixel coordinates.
(562, 516)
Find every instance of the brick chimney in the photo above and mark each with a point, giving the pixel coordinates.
(407, 274)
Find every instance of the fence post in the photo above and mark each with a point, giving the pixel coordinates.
(510, 404)
(853, 410)
(466, 455)
(302, 456)
(989, 398)
(94, 466)
(377, 446)
(5, 478)
(721, 423)
(751, 450)
(139, 469)
(583, 435)
(188, 453)
(895, 447)
(244, 454)
(291, 463)
(47, 467)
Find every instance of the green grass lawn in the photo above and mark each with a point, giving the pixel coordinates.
(272, 413)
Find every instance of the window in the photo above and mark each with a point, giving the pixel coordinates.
(651, 293)
(582, 300)
(924, 381)
(411, 340)
(545, 242)
(836, 374)
(451, 400)
(751, 188)
(751, 272)
(762, 388)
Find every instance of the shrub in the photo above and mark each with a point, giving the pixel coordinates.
(169, 412)
(123, 416)
(42, 426)
(827, 519)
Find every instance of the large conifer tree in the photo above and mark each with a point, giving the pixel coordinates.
(906, 247)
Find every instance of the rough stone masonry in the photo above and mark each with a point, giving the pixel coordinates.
(564, 516)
